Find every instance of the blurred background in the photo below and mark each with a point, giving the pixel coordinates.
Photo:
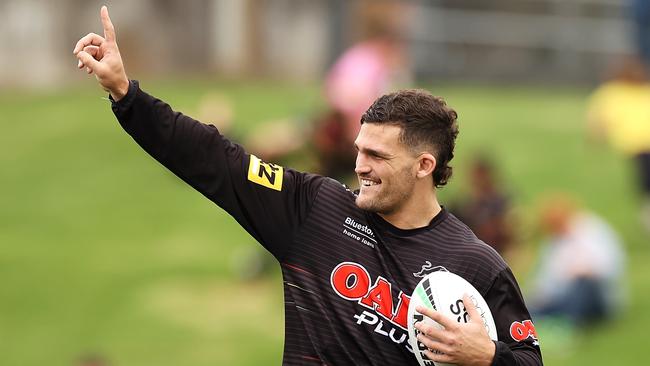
(108, 259)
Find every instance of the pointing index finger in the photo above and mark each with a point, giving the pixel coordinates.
(474, 315)
(438, 317)
(109, 30)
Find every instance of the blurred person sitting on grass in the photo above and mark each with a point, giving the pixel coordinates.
(580, 269)
(619, 112)
(349, 259)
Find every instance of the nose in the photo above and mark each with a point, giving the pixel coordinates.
(361, 165)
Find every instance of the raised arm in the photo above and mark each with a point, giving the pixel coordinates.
(270, 202)
(100, 56)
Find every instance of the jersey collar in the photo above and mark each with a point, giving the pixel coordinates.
(440, 217)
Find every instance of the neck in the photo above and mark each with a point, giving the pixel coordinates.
(417, 212)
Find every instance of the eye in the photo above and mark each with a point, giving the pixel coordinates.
(377, 156)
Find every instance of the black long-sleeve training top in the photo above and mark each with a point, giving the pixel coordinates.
(347, 273)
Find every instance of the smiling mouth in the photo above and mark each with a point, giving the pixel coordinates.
(368, 183)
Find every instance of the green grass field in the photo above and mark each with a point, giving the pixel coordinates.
(103, 251)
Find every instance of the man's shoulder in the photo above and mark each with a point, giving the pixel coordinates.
(327, 195)
(333, 189)
(471, 245)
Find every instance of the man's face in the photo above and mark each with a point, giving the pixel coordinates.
(385, 168)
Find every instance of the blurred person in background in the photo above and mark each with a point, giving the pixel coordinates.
(486, 207)
(580, 269)
(619, 112)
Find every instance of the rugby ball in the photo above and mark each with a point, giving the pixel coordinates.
(443, 291)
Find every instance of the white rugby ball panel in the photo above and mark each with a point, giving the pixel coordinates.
(443, 291)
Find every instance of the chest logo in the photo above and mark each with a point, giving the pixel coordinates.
(359, 232)
(352, 282)
(428, 268)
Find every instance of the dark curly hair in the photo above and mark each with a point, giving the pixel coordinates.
(427, 124)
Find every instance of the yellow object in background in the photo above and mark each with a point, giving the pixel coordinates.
(620, 110)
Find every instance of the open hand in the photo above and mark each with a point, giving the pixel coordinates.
(458, 343)
(100, 56)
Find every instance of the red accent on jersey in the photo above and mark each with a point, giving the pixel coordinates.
(520, 331)
(401, 314)
(351, 281)
(341, 276)
(379, 298)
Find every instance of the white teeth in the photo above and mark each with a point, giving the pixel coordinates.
(368, 183)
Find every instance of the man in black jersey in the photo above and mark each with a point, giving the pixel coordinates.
(349, 260)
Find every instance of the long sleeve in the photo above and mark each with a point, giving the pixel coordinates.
(267, 200)
(518, 343)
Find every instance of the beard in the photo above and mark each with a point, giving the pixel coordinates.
(390, 196)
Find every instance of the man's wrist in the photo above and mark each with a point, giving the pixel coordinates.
(488, 359)
(494, 348)
(121, 90)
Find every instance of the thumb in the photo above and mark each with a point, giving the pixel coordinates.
(88, 60)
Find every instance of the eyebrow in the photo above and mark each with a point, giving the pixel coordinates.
(374, 152)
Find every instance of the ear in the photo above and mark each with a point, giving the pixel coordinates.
(426, 165)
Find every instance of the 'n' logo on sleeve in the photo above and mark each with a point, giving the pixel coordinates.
(265, 174)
